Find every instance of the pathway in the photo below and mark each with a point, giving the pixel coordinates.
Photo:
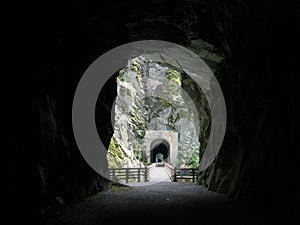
(160, 202)
(159, 174)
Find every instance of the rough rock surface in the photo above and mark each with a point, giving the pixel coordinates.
(150, 97)
(258, 162)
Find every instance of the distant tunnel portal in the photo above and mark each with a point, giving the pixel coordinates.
(164, 143)
(161, 149)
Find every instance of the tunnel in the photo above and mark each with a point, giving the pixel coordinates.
(162, 148)
(258, 163)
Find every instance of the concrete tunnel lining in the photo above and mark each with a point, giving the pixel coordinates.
(168, 138)
(160, 146)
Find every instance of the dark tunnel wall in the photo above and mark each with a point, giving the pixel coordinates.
(52, 44)
(256, 163)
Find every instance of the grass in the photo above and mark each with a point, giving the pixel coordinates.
(118, 187)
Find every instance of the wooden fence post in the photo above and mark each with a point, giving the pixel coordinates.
(127, 175)
(175, 179)
(193, 173)
(139, 174)
(146, 174)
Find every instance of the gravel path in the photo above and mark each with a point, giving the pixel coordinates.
(159, 202)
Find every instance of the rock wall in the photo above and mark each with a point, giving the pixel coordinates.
(52, 44)
(255, 163)
(150, 98)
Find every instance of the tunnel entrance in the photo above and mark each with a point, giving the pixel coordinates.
(163, 142)
(161, 153)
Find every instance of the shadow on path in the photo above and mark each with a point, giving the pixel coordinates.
(160, 202)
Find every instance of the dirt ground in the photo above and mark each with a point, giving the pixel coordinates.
(158, 202)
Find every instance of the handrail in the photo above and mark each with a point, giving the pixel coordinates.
(186, 174)
(139, 174)
(177, 174)
(142, 174)
(149, 169)
(170, 171)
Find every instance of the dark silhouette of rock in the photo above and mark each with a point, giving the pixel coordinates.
(51, 45)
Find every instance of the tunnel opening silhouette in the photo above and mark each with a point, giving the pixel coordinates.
(161, 148)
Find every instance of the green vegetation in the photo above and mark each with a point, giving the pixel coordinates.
(193, 160)
(115, 155)
(118, 187)
(137, 112)
(160, 157)
(174, 76)
(135, 66)
(188, 153)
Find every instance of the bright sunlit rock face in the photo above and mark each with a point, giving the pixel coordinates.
(150, 98)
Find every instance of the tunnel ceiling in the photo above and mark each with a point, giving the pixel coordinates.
(258, 40)
(157, 142)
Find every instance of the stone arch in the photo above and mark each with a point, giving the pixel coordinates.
(160, 146)
(169, 139)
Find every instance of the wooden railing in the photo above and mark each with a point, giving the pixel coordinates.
(186, 174)
(127, 175)
(179, 174)
(149, 169)
(170, 171)
(142, 174)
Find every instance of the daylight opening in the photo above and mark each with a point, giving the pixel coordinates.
(150, 99)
